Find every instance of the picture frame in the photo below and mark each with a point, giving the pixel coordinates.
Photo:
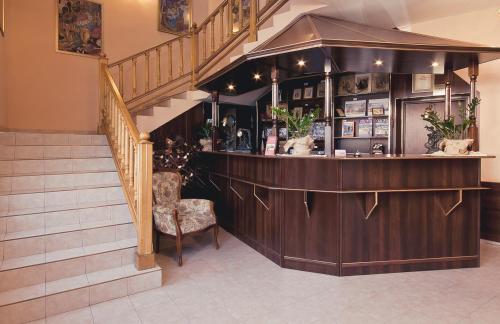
(346, 85)
(355, 108)
(297, 94)
(363, 83)
(348, 128)
(320, 91)
(308, 92)
(422, 83)
(73, 36)
(377, 112)
(380, 82)
(175, 16)
(378, 107)
(2, 18)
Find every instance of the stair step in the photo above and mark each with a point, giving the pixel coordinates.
(57, 182)
(21, 139)
(76, 292)
(11, 153)
(33, 203)
(56, 166)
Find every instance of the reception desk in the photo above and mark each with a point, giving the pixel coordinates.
(351, 216)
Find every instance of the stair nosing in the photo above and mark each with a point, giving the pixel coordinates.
(124, 202)
(15, 193)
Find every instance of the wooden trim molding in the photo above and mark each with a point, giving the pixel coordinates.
(490, 212)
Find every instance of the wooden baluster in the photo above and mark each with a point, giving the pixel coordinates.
(204, 43)
(212, 35)
(120, 140)
(170, 68)
(120, 82)
(221, 22)
(117, 125)
(252, 34)
(181, 52)
(240, 15)
(144, 221)
(158, 67)
(230, 18)
(134, 77)
(131, 155)
(113, 125)
(194, 55)
(146, 72)
(127, 152)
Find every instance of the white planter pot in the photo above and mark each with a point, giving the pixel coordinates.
(456, 147)
(206, 144)
(301, 145)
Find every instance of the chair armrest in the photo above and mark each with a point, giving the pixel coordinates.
(186, 206)
(165, 218)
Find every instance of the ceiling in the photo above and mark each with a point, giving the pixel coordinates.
(401, 13)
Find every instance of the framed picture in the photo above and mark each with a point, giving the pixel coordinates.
(297, 112)
(348, 128)
(308, 92)
(346, 85)
(79, 27)
(378, 107)
(175, 16)
(380, 82)
(2, 17)
(355, 108)
(297, 94)
(422, 83)
(320, 92)
(363, 83)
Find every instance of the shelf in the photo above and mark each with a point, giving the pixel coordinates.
(362, 94)
(361, 138)
(361, 117)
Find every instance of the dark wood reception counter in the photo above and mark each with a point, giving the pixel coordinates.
(351, 216)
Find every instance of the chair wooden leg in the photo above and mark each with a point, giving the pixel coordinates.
(178, 244)
(216, 233)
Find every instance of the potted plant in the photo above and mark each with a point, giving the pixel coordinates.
(299, 128)
(454, 136)
(205, 135)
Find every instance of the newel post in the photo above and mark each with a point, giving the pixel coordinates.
(144, 222)
(103, 63)
(194, 55)
(252, 35)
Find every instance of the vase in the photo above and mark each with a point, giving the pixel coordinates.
(456, 147)
(300, 145)
(206, 144)
(473, 133)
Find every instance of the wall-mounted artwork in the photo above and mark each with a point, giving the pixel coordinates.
(2, 17)
(79, 27)
(175, 16)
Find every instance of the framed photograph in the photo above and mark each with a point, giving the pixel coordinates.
(297, 94)
(308, 92)
(2, 17)
(175, 16)
(79, 27)
(346, 85)
(355, 108)
(422, 83)
(380, 127)
(340, 112)
(320, 92)
(348, 128)
(378, 107)
(380, 82)
(297, 112)
(363, 83)
(365, 128)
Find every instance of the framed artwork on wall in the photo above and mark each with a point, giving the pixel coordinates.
(79, 27)
(308, 92)
(363, 83)
(346, 85)
(297, 94)
(422, 83)
(2, 17)
(175, 16)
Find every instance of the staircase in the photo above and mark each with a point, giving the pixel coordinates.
(66, 236)
(164, 110)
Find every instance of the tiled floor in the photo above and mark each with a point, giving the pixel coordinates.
(237, 285)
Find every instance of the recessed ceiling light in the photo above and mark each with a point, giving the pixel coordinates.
(230, 87)
(435, 64)
(379, 62)
(301, 63)
(257, 76)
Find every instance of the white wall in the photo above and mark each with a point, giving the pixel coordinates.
(481, 27)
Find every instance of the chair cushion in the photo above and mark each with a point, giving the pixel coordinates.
(194, 215)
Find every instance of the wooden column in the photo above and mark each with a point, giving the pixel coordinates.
(472, 131)
(215, 119)
(194, 55)
(328, 107)
(447, 92)
(252, 34)
(275, 97)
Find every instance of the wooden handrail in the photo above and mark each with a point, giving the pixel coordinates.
(133, 155)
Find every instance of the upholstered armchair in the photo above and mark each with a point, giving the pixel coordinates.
(175, 217)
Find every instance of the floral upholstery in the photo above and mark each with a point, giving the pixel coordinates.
(193, 214)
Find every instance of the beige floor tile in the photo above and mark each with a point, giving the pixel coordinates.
(23, 312)
(79, 316)
(110, 310)
(67, 301)
(107, 291)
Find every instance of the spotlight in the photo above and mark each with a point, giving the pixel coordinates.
(257, 76)
(231, 87)
(435, 64)
(379, 62)
(301, 63)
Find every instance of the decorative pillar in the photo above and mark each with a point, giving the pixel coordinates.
(472, 131)
(275, 97)
(447, 92)
(215, 119)
(328, 107)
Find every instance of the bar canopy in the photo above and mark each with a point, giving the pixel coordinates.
(352, 47)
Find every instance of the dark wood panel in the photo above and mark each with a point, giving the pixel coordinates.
(311, 243)
(411, 174)
(258, 170)
(311, 174)
(407, 226)
(490, 212)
